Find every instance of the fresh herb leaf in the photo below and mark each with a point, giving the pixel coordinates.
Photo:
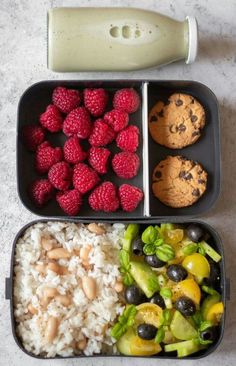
(149, 249)
(149, 235)
(128, 279)
(158, 242)
(125, 320)
(203, 342)
(153, 284)
(197, 318)
(166, 293)
(210, 290)
(201, 250)
(190, 249)
(165, 252)
(166, 317)
(124, 258)
(204, 325)
(160, 335)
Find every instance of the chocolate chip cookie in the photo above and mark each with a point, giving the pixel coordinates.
(178, 123)
(178, 182)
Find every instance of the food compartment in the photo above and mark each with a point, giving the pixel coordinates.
(34, 102)
(206, 150)
(210, 235)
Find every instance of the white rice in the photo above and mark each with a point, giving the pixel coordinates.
(83, 318)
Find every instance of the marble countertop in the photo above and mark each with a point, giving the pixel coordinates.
(23, 62)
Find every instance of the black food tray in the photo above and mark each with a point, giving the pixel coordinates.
(206, 150)
(224, 288)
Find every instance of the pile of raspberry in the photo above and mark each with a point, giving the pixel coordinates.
(71, 174)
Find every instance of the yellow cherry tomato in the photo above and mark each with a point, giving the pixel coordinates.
(197, 265)
(173, 236)
(215, 312)
(141, 347)
(149, 313)
(188, 288)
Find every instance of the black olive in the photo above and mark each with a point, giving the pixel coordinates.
(214, 278)
(137, 246)
(153, 261)
(194, 233)
(146, 331)
(185, 305)
(209, 334)
(133, 295)
(158, 300)
(176, 272)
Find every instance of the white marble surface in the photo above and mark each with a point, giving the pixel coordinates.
(23, 62)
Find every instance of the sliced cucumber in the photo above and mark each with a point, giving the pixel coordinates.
(183, 352)
(145, 277)
(123, 344)
(130, 234)
(210, 251)
(181, 328)
(182, 345)
(208, 303)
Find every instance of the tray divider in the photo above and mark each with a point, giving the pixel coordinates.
(146, 207)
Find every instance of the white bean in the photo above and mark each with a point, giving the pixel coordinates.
(51, 329)
(96, 229)
(41, 268)
(89, 287)
(84, 253)
(64, 300)
(81, 345)
(47, 244)
(58, 253)
(118, 287)
(32, 309)
(50, 292)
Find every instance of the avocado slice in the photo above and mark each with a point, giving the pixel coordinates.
(145, 277)
(181, 328)
(207, 304)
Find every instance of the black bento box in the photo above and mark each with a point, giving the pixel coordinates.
(214, 241)
(206, 150)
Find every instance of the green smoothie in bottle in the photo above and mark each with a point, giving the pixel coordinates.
(117, 39)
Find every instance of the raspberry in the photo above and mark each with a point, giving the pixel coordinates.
(51, 119)
(127, 100)
(128, 139)
(101, 134)
(117, 119)
(60, 175)
(46, 156)
(130, 196)
(78, 123)
(98, 159)
(73, 152)
(32, 136)
(104, 198)
(84, 178)
(41, 191)
(95, 100)
(69, 201)
(66, 99)
(126, 164)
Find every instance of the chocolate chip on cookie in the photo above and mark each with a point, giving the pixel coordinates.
(178, 123)
(182, 181)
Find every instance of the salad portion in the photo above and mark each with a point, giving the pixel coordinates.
(172, 291)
